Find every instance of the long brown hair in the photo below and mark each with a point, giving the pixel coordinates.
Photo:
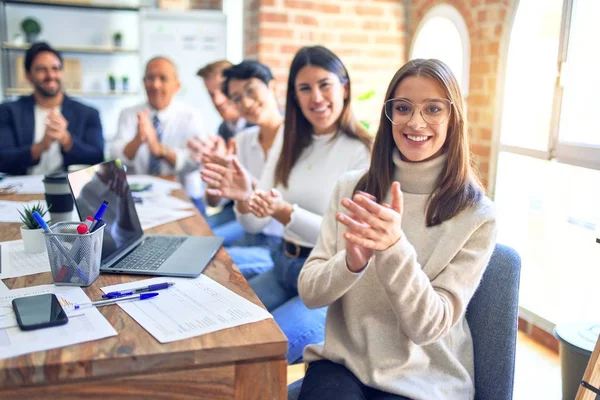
(458, 187)
(297, 130)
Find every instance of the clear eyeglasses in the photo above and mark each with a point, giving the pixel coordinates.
(433, 111)
(250, 92)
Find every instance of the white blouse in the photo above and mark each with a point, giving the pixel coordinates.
(310, 183)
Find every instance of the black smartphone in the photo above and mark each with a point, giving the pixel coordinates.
(41, 311)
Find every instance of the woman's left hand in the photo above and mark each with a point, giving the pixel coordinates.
(265, 204)
(371, 225)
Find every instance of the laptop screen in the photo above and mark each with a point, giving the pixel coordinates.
(107, 181)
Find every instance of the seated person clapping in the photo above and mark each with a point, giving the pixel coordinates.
(251, 88)
(401, 252)
(321, 141)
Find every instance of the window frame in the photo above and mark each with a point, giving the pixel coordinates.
(580, 155)
(453, 15)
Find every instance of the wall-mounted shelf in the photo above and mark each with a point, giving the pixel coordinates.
(73, 93)
(75, 4)
(75, 49)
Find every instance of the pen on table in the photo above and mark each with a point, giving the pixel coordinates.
(58, 244)
(149, 288)
(142, 296)
(99, 214)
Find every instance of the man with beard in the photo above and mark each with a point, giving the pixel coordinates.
(47, 131)
(151, 137)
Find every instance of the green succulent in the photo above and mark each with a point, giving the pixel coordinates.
(27, 215)
(30, 25)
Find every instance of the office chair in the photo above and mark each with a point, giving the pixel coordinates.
(493, 316)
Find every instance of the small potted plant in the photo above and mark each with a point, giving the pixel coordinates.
(117, 39)
(32, 29)
(31, 231)
(125, 82)
(112, 83)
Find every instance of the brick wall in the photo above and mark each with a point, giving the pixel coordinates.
(368, 36)
(486, 21)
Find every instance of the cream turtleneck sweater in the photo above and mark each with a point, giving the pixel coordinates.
(399, 324)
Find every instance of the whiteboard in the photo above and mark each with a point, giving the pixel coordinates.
(191, 39)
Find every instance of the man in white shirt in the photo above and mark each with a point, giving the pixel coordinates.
(212, 75)
(151, 137)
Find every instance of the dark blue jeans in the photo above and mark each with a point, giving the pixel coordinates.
(278, 290)
(326, 380)
(252, 253)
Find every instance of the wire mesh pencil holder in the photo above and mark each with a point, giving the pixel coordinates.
(74, 258)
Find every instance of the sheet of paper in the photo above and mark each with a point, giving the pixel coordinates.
(169, 202)
(3, 288)
(9, 210)
(160, 187)
(155, 216)
(28, 184)
(15, 262)
(191, 307)
(84, 325)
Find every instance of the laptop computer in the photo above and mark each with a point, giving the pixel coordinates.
(125, 248)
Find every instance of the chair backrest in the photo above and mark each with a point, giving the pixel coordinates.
(493, 315)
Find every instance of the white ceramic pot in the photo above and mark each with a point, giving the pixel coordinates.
(33, 240)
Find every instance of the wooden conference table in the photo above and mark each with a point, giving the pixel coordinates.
(245, 362)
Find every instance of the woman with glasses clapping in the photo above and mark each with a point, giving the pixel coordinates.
(321, 141)
(401, 252)
(251, 88)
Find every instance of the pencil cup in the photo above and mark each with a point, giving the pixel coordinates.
(74, 258)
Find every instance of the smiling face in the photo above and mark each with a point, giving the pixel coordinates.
(320, 95)
(254, 100)
(416, 139)
(45, 74)
(161, 83)
(225, 108)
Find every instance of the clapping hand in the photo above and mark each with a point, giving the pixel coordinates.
(233, 182)
(371, 226)
(264, 204)
(56, 129)
(146, 132)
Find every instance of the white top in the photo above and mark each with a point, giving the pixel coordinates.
(251, 156)
(310, 184)
(51, 160)
(399, 325)
(178, 122)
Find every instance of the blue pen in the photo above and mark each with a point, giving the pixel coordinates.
(99, 214)
(99, 303)
(58, 244)
(149, 288)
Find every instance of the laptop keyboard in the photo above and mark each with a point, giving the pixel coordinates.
(151, 254)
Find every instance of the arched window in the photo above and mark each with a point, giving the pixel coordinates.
(443, 34)
(547, 188)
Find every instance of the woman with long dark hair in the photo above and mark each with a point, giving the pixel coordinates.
(321, 141)
(401, 251)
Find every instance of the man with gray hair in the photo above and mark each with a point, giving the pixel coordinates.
(151, 137)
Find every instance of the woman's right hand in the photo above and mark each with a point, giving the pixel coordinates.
(357, 256)
(233, 182)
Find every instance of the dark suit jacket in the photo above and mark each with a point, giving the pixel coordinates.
(17, 134)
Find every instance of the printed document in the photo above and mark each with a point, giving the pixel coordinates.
(191, 307)
(27, 184)
(84, 325)
(154, 216)
(9, 210)
(15, 262)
